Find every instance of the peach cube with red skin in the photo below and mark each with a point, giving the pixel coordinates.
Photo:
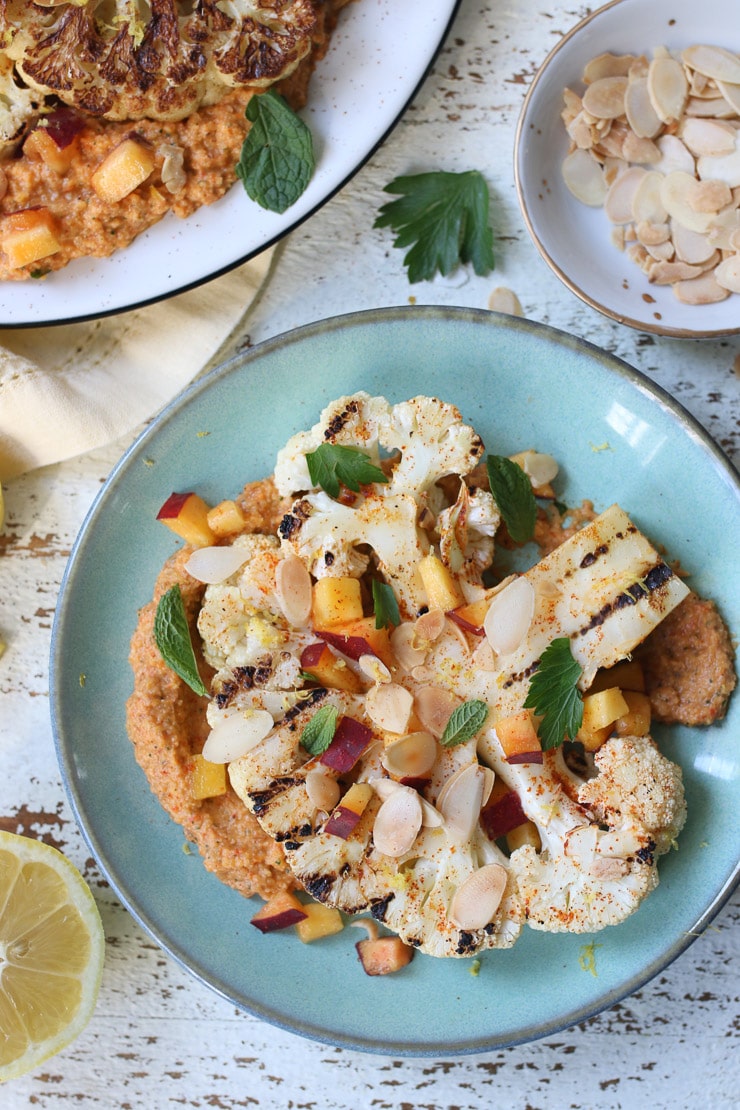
(320, 662)
(279, 912)
(28, 236)
(320, 921)
(518, 738)
(126, 167)
(186, 514)
(346, 816)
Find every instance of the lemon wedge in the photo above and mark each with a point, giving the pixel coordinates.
(51, 953)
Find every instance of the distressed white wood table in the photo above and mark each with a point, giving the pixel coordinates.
(159, 1038)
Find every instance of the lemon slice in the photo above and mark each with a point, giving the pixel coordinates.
(51, 953)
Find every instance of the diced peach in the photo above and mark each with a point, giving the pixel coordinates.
(279, 912)
(335, 601)
(346, 816)
(441, 588)
(28, 236)
(125, 168)
(526, 833)
(603, 708)
(208, 779)
(383, 955)
(225, 519)
(627, 675)
(40, 147)
(502, 812)
(187, 515)
(518, 738)
(320, 921)
(322, 664)
(377, 639)
(471, 616)
(637, 721)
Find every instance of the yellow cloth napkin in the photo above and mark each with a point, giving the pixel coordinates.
(68, 389)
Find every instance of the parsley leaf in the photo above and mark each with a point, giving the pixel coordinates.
(512, 492)
(385, 605)
(319, 731)
(554, 694)
(172, 637)
(277, 158)
(445, 217)
(464, 722)
(331, 465)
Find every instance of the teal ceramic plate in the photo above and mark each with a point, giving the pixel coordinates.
(618, 438)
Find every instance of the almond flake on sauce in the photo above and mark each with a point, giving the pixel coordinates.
(656, 143)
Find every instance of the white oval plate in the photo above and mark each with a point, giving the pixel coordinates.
(573, 238)
(379, 55)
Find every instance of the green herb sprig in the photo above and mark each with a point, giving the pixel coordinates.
(331, 466)
(512, 492)
(464, 722)
(277, 158)
(318, 733)
(385, 605)
(172, 637)
(554, 694)
(443, 217)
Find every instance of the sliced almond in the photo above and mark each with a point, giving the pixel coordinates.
(584, 178)
(642, 152)
(700, 290)
(715, 109)
(504, 300)
(620, 197)
(476, 900)
(691, 246)
(652, 235)
(647, 207)
(539, 468)
(708, 136)
(661, 252)
(374, 668)
(434, 706)
(641, 115)
(676, 191)
(509, 616)
(460, 801)
(674, 155)
(216, 564)
(389, 707)
(607, 65)
(666, 273)
(727, 274)
(711, 196)
(406, 648)
(667, 87)
(397, 822)
(236, 735)
(429, 626)
(604, 98)
(323, 791)
(731, 95)
(721, 167)
(713, 61)
(412, 756)
(293, 590)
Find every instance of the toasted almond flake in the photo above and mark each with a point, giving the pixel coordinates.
(727, 273)
(691, 246)
(700, 290)
(458, 634)
(434, 707)
(397, 822)
(666, 273)
(504, 300)
(584, 178)
(667, 87)
(607, 65)
(476, 900)
(604, 98)
(406, 648)
(637, 254)
(509, 616)
(641, 116)
(216, 564)
(620, 197)
(612, 168)
(661, 252)
(722, 167)
(460, 801)
(389, 706)
(652, 235)
(323, 791)
(293, 590)
(429, 626)
(722, 228)
(711, 196)
(705, 109)
(708, 136)
(713, 61)
(674, 155)
(412, 756)
(647, 207)
(236, 735)
(580, 131)
(374, 668)
(572, 105)
(731, 95)
(642, 152)
(540, 468)
(676, 191)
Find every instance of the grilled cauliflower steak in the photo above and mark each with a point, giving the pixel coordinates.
(129, 60)
(349, 737)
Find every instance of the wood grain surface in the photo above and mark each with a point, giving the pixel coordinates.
(159, 1038)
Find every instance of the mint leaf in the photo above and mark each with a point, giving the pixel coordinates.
(277, 158)
(332, 465)
(554, 694)
(464, 722)
(445, 217)
(172, 637)
(385, 605)
(512, 492)
(319, 731)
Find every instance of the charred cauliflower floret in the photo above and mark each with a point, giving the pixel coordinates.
(128, 59)
(423, 442)
(18, 107)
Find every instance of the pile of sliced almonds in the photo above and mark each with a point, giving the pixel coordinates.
(657, 143)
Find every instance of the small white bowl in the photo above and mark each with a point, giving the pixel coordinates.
(573, 238)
